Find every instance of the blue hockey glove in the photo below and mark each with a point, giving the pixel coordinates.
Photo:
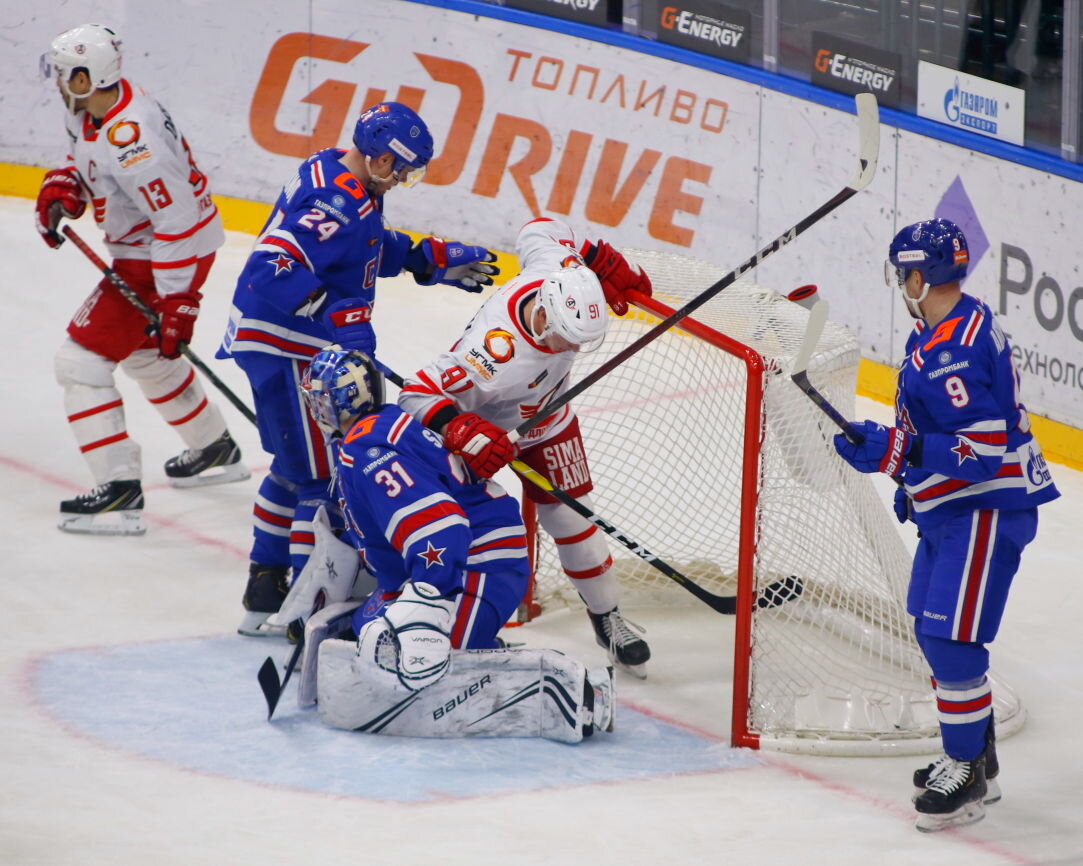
(882, 449)
(434, 260)
(902, 505)
(348, 321)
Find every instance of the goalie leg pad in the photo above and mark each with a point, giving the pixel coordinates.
(331, 621)
(485, 693)
(333, 569)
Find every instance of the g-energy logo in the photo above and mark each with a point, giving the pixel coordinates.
(700, 26)
(854, 70)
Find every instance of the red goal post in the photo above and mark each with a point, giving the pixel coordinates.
(702, 449)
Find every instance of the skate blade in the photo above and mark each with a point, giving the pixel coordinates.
(108, 523)
(214, 475)
(255, 624)
(971, 813)
(637, 671)
(992, 794)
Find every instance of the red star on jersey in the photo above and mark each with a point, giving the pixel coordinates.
(432, 555)
(282, 263)
(965, 451)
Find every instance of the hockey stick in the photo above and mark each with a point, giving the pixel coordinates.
(132, 298)
(773, 595)
(817, 318)
(268, 672)
(868, 116)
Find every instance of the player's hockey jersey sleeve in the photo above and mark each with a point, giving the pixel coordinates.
(545, 245)
(422, 523)
(393, 259)
(155, 169)
(445, 387)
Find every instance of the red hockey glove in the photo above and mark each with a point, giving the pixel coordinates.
(60, 196)
(178, 313)
(615, 275)
(484, 446)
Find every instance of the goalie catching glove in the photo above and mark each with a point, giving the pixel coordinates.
(435, 260)
(61, 195)
(420, 618)
(484, 447)
(616, 275)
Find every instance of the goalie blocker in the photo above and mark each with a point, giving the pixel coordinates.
(513, 692)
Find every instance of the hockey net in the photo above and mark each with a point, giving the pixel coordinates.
(702, 449)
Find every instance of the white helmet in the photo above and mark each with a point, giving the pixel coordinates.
(575, 308)
(89, 46)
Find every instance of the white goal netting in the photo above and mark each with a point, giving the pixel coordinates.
(707, 456)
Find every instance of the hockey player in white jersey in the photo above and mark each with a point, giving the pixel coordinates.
(513, 358)
(130, 163)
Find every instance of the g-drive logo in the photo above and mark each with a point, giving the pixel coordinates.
(973, 110)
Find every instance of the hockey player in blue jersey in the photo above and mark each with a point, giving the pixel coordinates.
(448, 553)
(973, 478)
(309, 281)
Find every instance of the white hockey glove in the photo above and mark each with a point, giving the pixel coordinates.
(420, 619)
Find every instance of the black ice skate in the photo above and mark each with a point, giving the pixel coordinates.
(218, 463)
(268, 586)
(113, 508)
(627, 650)
(953, 797)
(992, 769)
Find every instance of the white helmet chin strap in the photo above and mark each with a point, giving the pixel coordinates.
(373, 175)
(547, 327)
(915, 303)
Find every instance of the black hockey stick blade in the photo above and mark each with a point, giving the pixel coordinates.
(271, 685)
(868, 116)
(268, 672)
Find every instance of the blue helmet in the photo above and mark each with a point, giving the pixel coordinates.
(339, 386)
(937, 248)
(391, 127)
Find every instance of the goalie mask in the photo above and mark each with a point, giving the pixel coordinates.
(574, 306)
(339, 386)
(91, 47)
(391, 127)
(935, 248)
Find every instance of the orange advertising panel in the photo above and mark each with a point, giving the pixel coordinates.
(628, 146)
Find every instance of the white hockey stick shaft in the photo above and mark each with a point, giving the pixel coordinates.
(817, 319)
